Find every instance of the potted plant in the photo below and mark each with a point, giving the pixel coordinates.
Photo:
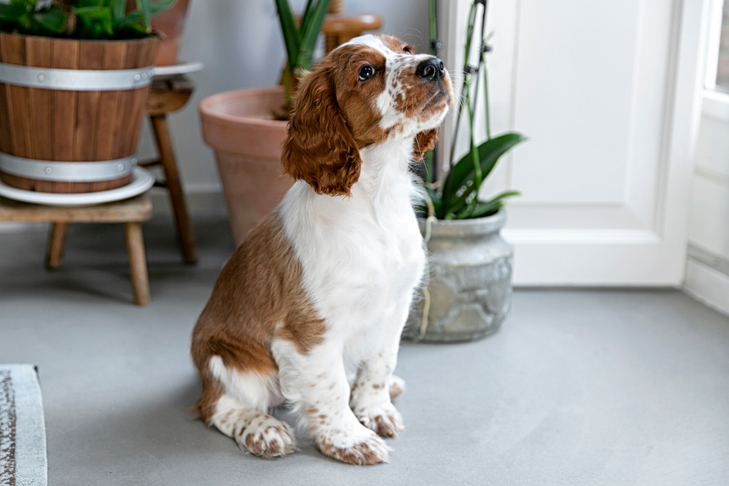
(74, 79)
(169, 24)
(467, 290)
(246, 128)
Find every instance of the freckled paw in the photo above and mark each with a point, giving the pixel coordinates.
(366, 452)
(385, 420)
(267, 438)
(397, 387)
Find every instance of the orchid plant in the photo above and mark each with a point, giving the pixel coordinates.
(456, 196)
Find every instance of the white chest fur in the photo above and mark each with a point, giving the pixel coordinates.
(362, 256)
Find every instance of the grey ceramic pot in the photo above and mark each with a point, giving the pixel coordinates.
(468, 278)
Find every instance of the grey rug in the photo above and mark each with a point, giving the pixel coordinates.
(23, 460)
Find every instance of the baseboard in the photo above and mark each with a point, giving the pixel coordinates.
(707, 285)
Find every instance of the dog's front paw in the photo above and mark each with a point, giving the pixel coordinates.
(361, 449)
(266, 437)
(384, 419)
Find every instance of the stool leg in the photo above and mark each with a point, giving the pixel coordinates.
(185, 231)
(137, 262)
(56, 245)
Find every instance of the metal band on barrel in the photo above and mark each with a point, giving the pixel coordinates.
(47, 170)
(76, 79)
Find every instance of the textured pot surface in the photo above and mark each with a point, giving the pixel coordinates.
(469, 281)
(239, 126)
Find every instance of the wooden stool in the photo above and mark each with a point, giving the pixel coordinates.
(339, 28)
(166, 96)
(131, 212)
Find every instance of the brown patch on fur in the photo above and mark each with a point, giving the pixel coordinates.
(386, 428)
(320, 148)
(396, 45)
(259, 448)
(419, 99)
(212, 390)
(395, 390)
(424, 141)
(259, 289)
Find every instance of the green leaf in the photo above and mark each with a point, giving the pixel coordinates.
(119, 9)
(130, 28)
(53, 19)
(96, 22)
(307, 12)
(310, 32)
(144, 7)
(11, 12)
(486, 208)
(91, 3)
(291, 34)
(132, 16)
(489, 153)
(160, 6)
(27, 6)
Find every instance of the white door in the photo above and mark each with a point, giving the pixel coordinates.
(608, 93)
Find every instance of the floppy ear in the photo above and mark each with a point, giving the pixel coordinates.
(320, 148)
(423, 142)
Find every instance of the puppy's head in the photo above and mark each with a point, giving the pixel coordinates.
(369, 90)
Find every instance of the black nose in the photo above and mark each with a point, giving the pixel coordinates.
(431, 69)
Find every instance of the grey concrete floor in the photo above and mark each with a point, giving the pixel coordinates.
(578, 387)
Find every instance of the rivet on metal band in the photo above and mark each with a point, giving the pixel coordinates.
(76, 79)
(48, 170)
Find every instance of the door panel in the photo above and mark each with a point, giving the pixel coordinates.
(608, 93)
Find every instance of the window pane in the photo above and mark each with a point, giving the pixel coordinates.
(722, 75)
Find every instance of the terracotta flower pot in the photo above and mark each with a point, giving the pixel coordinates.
(240, 127)
(171, 23)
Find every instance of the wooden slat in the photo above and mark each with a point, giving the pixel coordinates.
(115, 54)
(135, 209)
(91, 56)
(64, 55)
(5, 136)
(125, 114)
(14, 53)
(38, 54)
(147, 51)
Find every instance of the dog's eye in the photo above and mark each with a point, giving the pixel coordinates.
(365, 73)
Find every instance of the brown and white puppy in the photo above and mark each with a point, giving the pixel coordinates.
(310, 307)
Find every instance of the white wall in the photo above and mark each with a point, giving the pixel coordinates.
(241, 46)
(708, 263)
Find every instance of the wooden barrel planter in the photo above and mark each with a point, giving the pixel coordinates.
(71, 111)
